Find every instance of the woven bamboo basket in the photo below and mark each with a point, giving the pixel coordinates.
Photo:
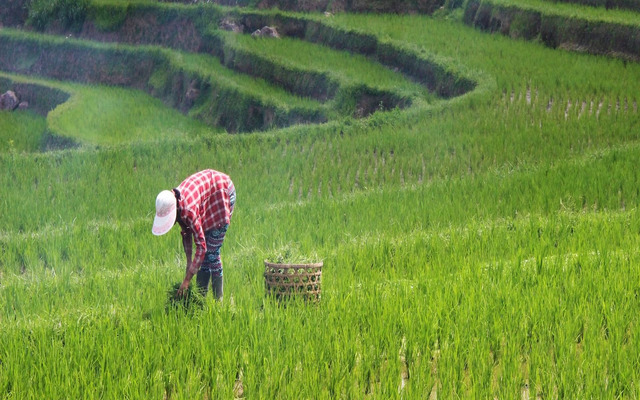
(287, 280)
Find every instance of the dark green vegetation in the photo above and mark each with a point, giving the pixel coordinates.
(479, 240)
(67, 14)
(609, 4)
(567, 26)
(206, 90)
(191, 301)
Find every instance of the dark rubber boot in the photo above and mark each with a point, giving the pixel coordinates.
(202, 279)
(216, 285)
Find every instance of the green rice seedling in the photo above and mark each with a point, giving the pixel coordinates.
(622, 4)
(573, 11)
(210, 66)
(148, 118)
(290, 254)
(190, 300)
(91, 113)
(349, 68)
(21, 131)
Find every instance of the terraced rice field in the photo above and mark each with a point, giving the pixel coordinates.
(473, 197)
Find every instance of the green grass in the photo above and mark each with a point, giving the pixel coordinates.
(575, 11)
(101, 115)
(109, 115)
(21, 131)
(512, 64)
(343, 66)
(615, 4)
(167, 66)
(483, 248)
(210, 66)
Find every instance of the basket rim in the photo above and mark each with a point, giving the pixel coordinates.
(298, 265)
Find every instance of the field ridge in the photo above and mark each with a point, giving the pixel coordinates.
(184, 89)
(612, 33)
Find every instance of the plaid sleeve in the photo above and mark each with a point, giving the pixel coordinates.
(201, 244)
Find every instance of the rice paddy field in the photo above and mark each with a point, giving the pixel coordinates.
(483, 244)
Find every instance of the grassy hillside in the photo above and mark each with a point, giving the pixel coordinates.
(557, 24)
(481, 245)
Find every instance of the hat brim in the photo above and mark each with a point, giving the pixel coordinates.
(162, 225)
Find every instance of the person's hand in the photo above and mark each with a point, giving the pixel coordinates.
(182, 290)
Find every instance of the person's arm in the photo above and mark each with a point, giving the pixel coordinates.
(201, 247)
(185, 283)
(188, 250)
(187, 245)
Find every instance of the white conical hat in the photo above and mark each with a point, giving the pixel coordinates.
(165, 213)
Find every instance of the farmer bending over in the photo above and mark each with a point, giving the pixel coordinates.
(202, 205)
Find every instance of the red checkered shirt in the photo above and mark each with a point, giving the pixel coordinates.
(204, 205)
